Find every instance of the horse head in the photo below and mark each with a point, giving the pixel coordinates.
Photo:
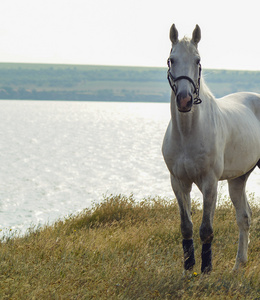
(184, 69)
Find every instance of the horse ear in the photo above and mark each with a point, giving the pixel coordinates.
(196, 35)
(174, 34)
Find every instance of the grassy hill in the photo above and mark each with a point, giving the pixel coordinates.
(121, 249)
(107, 83)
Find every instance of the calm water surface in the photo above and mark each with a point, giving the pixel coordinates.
(57, 158)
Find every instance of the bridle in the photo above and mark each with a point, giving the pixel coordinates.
(173, 80)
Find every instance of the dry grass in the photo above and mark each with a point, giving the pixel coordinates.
(126, 250)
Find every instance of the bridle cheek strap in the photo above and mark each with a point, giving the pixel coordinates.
(173, 86)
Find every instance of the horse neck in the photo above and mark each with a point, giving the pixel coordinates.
(183, 123)
(186, 124)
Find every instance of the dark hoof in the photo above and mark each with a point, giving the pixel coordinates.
(206, 270)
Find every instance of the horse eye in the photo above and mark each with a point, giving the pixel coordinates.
(198, 61)
(170, 62)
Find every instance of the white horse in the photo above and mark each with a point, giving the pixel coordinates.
(208, 140)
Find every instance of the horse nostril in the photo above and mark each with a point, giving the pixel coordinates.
(184, 101)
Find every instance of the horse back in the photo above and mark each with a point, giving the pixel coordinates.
(246, 99)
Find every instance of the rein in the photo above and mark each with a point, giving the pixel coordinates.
(172, 81)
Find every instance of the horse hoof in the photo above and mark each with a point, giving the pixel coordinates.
(238, 265)
(207, 270)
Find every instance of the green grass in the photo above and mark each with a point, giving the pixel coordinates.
(121, 249)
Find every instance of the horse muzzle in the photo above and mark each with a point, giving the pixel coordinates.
(184, 101)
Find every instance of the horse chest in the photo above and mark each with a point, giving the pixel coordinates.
(186, 163)
(188, 158)
(187, 166)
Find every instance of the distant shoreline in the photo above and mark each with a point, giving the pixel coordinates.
(19, 81)
(73, 100)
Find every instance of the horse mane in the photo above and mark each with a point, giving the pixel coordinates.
(186, 40)
(204, 89)
(186, 43)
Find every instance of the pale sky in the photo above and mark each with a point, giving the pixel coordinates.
(130, 33)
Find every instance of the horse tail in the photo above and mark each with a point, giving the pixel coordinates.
(258, 163)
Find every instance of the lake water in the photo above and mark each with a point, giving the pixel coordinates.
(57, 158)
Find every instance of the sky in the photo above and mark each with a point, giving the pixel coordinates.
(128, 33)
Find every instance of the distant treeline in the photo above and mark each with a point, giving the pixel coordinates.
(107, 83)
(101, 95)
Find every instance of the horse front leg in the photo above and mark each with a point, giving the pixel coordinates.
(209, 191)
(182, 193)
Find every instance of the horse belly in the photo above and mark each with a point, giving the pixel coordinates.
(238, 168)
(241, 158)
(241, 150)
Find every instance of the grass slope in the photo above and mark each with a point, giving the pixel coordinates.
(121, 249)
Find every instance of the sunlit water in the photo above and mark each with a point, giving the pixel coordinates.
(57, 158)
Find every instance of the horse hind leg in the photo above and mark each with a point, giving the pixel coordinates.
(243, 215)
